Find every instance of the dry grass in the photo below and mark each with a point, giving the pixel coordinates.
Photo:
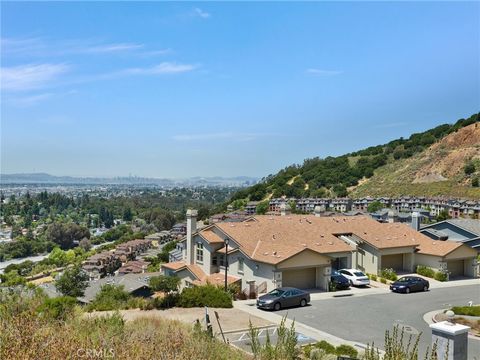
(27, 335)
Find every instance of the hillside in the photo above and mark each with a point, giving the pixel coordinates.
(438, 170)
(429, 163)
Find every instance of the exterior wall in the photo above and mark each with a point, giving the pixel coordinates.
(304, 259)
(431, 261)
(368, 259)
(471, 268)
(264, 272)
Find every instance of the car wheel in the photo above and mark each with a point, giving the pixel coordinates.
(425, 288)
(303, 302)
(277, 306)
(407, 290)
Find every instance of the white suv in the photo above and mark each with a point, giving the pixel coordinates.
(355, 277)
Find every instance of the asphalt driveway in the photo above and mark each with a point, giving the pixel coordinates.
(365, 318)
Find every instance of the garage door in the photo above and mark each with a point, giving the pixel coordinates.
(455, 267)
(302, 279)
(394, 262)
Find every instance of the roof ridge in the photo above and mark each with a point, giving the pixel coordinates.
(256, 248)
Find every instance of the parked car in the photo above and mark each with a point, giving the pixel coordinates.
(355, 277)
(283, 297)
(407, 284)
(339, 281)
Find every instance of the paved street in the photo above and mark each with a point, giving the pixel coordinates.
(365, 318)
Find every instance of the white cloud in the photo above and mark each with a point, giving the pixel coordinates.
(110, 48)
(41, 47)
(200, 13)
(31, 76)
(321, 72)
(160, 69)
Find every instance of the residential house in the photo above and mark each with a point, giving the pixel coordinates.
(298, 250)
(466, 231)
(102, 264)
(251, 207)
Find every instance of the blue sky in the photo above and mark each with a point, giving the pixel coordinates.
(207, 89)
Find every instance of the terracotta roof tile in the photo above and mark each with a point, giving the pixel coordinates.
(211, 237)
(273, 239)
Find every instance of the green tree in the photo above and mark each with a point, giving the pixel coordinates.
(65, 234)
(374, 206)
(58, 257)
(73, 282)
(164, 283)
(110, 297)
(127, 214)
(262, 207)
(443, 215)
(475, 182)
(469, 168)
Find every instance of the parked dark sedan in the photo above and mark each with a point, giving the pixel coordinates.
(408, 284)
(283, 297)
(339, 281)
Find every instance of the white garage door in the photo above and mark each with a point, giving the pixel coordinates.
(394, 262)
(455, 267)
(302, 279)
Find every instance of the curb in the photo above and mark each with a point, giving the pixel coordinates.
(429, 318)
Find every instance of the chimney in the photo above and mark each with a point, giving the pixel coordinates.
(191, 228)
(416, 220)
(391, 216)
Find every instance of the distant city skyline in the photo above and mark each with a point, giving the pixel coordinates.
(178, 90)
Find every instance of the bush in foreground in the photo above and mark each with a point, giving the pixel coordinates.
(26, 334)
(207, 295)
(467, 310)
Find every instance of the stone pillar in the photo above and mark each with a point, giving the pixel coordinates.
(191, 228)
(453, 336)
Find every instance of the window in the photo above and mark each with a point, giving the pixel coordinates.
(214, 260)
(199, 252)
(240, 265)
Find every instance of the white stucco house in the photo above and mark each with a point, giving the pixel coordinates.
(265, 252)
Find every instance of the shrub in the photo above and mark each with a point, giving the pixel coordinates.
(389, 274)
(441, 276)
(425, 271)
(467, 310)
(383, 280)
(207, 295)
(168, 301)
(58, 308)
(373, 277)
(475, 182)
(325, 346)
(285, 347)
(110, 297)
(346, 350)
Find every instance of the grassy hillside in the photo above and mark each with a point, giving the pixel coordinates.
(28, 332)
(438, 170)
(428, 163)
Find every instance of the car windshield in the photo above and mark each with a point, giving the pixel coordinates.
(276, 292)
(359, 273)
(404, 279)
(336, 273)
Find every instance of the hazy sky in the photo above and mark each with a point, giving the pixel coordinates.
(186, 89)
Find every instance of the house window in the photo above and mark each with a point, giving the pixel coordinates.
(221, 260)
(200, 252)
(240, 265)
(214, 260)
